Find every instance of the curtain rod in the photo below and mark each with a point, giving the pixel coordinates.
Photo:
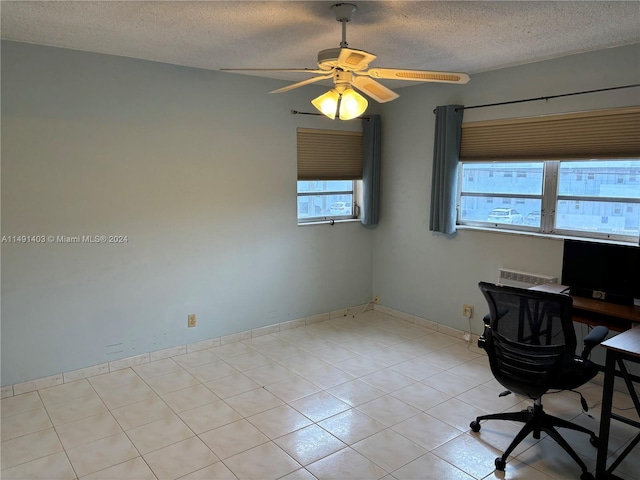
(546, 98)
(297, 112)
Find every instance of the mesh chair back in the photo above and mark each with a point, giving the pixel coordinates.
(530, 337)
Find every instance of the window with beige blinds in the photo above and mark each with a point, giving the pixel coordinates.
(329, 154)
(574, 175)
(329, 175)
(611, 133)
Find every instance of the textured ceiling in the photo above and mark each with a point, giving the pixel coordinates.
(456, 36)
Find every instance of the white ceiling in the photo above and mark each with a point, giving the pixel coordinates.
(460, 36)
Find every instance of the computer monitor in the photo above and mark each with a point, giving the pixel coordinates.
(603, 271)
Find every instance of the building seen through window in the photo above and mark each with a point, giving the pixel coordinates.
(320, 199)
(597, 198)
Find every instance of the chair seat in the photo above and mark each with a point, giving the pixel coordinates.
(573, 374)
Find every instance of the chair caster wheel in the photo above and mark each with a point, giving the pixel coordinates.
(501, 464)
(586, 476)
(594, 441)
(475, 426)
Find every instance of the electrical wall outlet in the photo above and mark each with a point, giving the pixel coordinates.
(376, 299)
(191, 320)
(467, 311)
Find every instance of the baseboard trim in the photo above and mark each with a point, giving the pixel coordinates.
(66, 377)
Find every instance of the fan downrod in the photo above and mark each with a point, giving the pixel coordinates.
(343, 12)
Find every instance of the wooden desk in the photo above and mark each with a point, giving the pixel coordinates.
(616, 318)
(625, 346)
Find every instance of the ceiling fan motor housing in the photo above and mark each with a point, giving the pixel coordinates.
(328, 59)
(348, 59)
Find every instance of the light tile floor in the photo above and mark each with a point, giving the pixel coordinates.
(362, 397)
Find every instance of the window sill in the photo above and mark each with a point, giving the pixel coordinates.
(542, 235)
(328, 222)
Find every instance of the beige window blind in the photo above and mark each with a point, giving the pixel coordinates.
(612, 133)
(329, 154)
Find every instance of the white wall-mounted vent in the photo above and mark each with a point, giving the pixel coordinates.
(515, 278)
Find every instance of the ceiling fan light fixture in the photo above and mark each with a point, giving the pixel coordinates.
(346, 104)
(352, 104)
(327, 103)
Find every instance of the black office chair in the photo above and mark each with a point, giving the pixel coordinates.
(531, 343)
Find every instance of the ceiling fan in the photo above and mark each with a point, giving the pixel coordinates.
(348, 68)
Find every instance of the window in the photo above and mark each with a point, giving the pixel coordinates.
(570, 174)
(552, 199)
(609, 206)
(326, 199)
(524, 190)
(329, 174)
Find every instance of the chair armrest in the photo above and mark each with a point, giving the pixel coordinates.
(487, 326)
(595, 337)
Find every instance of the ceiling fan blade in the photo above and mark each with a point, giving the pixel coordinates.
(354, 60)
(302, 83)
(293, 70)
(374, 89)
(417, 75)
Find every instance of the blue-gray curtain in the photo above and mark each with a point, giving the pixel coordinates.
(446, 155)
(371, 144)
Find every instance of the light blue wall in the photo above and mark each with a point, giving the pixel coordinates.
(197, 168)
(429, 275)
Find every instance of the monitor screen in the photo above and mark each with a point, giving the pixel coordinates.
(600, 270)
